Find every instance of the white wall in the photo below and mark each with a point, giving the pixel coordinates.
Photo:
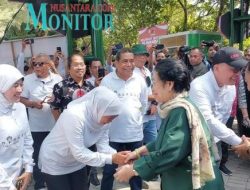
(45, 45)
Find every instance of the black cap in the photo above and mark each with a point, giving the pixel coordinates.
(231, 56)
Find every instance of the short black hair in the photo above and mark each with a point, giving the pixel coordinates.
(70, 58)
(94, 59)
(170, 70)
(199, 50)
(122, 51)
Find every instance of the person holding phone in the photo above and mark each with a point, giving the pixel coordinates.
(97, 73)
(60, 62)
(36, 87)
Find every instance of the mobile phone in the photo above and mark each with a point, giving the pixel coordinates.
(59, 49)
(101, 72)
(29, 41)
(159, 46)
(114, 51)
(46, 99)
(116, 48)
(119, 46)
(83, 48)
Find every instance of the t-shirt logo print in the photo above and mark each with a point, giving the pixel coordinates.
(78, 93)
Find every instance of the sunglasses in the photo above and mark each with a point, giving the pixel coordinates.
(38, 64)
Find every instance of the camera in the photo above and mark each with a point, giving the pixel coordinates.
(116, 48)
(208, 44)
(29, 41)
(159, 47)
(183, 55)
(184, 49)
(114, 51)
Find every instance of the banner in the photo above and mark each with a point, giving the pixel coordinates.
(150, 35)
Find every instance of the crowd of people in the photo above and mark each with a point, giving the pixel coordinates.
(145, 115)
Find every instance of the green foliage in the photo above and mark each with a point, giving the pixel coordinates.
(181, 15)
(130, 16)
(17, 28)
(246, 43)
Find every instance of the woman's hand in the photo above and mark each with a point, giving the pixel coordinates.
(136, 154)
(124, 173)
(131, 157)
(24, 179)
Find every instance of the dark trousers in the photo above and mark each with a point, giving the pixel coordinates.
(77, 180)
(90, 169)
(224, 146)
(110, 169)
(38, 138)
(243, 130)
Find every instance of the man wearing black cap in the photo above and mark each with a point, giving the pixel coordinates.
(215, 92)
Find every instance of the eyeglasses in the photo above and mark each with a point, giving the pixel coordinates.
(38, 64)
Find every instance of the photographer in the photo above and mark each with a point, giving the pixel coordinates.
(156, 53)
(110, 60)
(60, 61)
(182, 55)
(21, 65)
(212, 48)
(198, 67)
(97, 73)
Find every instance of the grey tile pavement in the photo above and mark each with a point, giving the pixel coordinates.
(240, 180)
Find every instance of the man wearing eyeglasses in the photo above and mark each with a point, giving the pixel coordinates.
(37, 92)
(149, 119)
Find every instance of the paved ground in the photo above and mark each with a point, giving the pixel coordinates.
(240, 180)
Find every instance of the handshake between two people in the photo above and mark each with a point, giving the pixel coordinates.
(125, 160)
(243, 149)
(124, 157)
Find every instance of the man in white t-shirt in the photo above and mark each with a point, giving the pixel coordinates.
(37, 92)
(126, 131)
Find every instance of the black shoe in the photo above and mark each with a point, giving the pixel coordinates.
(225, 170)
(155, 178)
(94, 180)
